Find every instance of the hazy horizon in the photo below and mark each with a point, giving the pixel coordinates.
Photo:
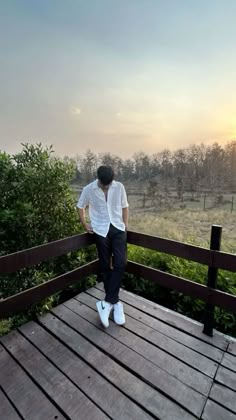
(119, 77)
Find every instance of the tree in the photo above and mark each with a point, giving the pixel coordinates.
(230, 151)
(37, 206)
(179, 188)
(195, 156)
(152, 190)
(165, 159)
(142, 165)
(155, 166)
(179, 162)
(215, 166)
(88, 166)
(111, 160)
(127, 170)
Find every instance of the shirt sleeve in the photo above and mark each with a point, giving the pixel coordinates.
(124, 201)
(83, 201)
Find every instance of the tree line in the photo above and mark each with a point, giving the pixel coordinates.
(195, 168)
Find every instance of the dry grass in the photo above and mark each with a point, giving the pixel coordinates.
(187, 226)
(191, 225)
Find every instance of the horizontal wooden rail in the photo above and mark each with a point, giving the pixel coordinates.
(32, 256)
(29, 297)
(178, 249)
(188, 287)
(223, 260)
(205, 256)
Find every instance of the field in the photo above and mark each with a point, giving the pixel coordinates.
(184, 221)
(186, 225)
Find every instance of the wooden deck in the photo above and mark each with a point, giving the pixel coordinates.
(159, 365)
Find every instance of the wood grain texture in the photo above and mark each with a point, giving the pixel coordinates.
(169, 317)
(167, 384)
(113, 402)
(159, 365)
(56, 385)
(229, 361)
(23, 300)
(7, 411)
(187, 348)
(32, 256)
(130, 384)
(232, 348)
(214, 411)
(138, 342)
(224, 396)
(29, 400)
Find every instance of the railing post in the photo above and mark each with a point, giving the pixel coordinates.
(211, 280)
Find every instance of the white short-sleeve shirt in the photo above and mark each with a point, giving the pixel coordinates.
(102, 213)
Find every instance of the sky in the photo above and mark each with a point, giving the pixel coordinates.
(117, 76)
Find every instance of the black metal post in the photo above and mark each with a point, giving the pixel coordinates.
(211, 280)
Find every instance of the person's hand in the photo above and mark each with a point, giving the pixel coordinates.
(88, 228)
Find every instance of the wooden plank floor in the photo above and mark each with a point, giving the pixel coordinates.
(160, 365)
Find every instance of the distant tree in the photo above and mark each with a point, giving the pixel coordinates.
(166, 166)
(179, 163)
(215, 167)
(152, 190)
(179, 188)
(111, 160)
(155, 166)
(88, 166)
(127, 170)
(198, 166)
(142, 165)
(230, 152)
(194, 167)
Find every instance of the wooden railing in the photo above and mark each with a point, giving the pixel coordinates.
(30, 257)
(213, 258)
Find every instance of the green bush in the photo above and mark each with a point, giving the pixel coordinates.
(191, 307)
(36, 207)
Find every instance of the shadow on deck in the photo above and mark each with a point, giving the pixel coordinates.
(160, 365)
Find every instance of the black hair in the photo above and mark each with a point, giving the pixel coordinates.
(105, 174)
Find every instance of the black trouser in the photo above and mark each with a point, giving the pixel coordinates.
(114, 243)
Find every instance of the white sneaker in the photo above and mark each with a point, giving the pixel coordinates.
(104, 308)
(119, 316)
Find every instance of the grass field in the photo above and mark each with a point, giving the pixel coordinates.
(191, 224)
(186, 225)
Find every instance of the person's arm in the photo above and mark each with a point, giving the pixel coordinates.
(81, 206)
(82, 216)
(125, 205)
(125, 216)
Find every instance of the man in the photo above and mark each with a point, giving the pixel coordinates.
(108, 212)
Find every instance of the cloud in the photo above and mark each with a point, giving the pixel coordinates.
(75, 110)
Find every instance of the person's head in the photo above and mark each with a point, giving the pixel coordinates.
(105, 175)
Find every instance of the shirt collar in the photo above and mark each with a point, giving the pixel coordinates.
(95, 184)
